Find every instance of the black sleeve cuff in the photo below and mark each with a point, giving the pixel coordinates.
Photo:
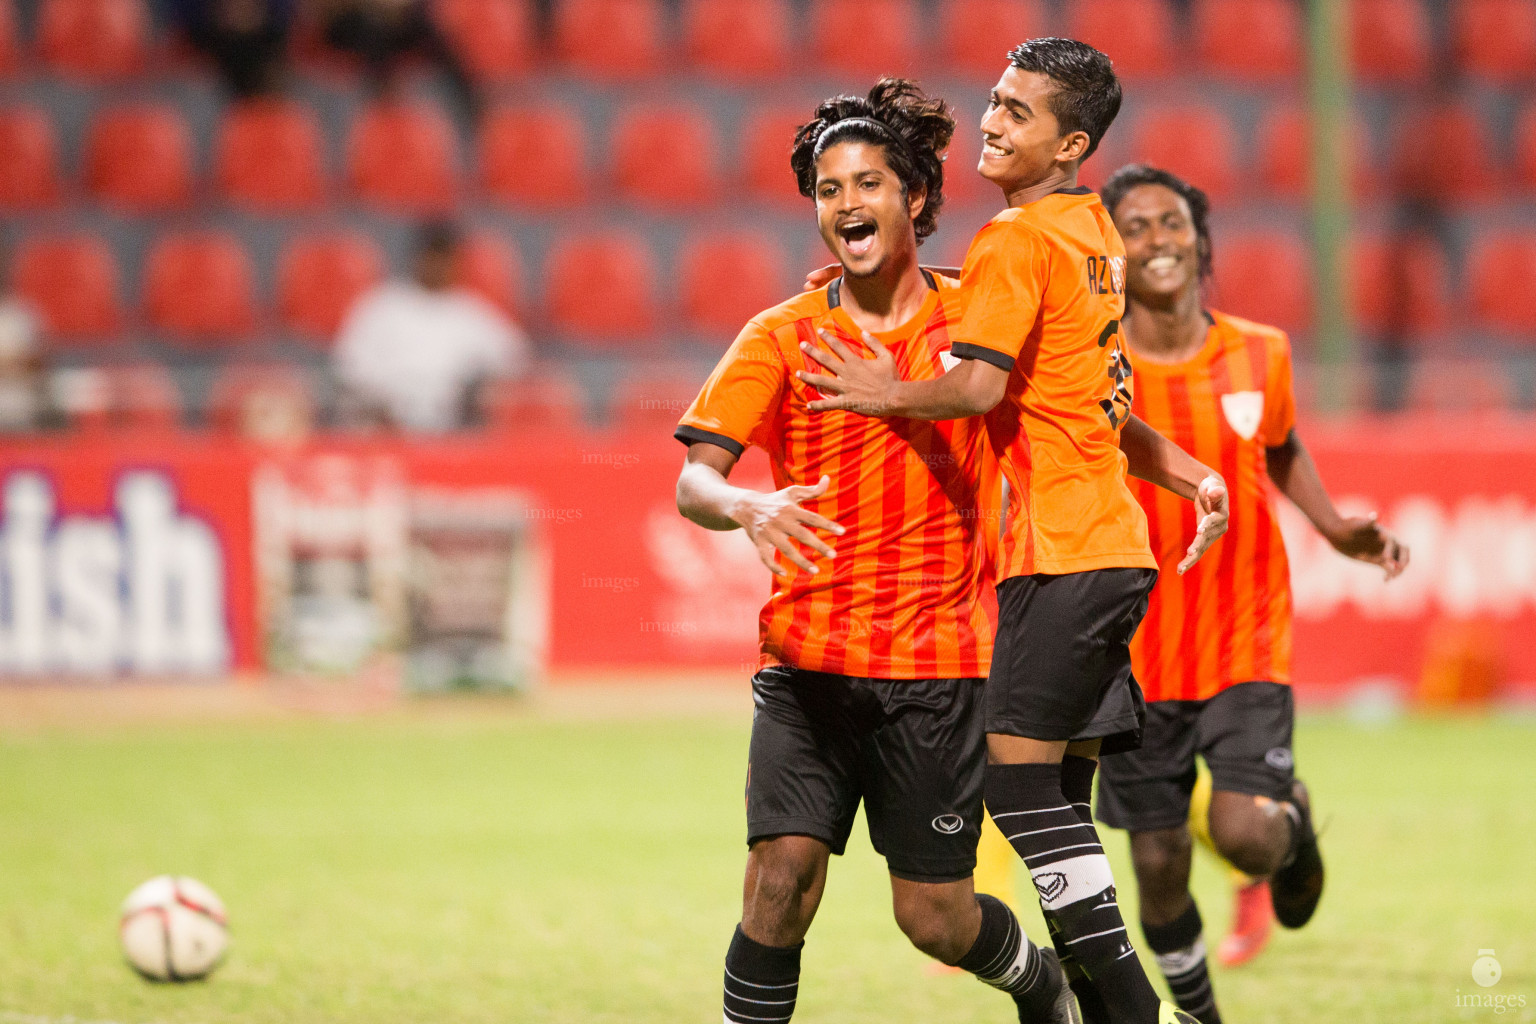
(693, 435)
(986, 355)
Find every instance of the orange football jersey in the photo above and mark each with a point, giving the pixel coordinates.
(903, 599)
(1045, 290)
(1228, 620)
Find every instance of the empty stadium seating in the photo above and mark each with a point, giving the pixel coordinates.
(866, 38)
(532, 156)
(1264, 275)
(93, 39)
(1444, 152)
(10, 46)
(974, 35)
(1195, 142)
(600, 288)
(1256, 40)
(489, 266)
(1284, 162)
(72, 280)
(1496, 39)
(610, 39)
(737, 39)
(138, 157)
(767, 140)
(318, 278)
(1525, 149)
(664, 156)
(199, 288)
(1399, 285)
(29, 162)
(402, 157)
(728, 278)
(495, 38)
(1389, 41)
(1498, 279)
(1138, 36)
(270, 156)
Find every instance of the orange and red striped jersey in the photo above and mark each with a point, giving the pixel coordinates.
(903, 598)
(1045, 290)
(1228, 620)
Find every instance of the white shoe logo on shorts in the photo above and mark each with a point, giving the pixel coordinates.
(948, 824)
(1279, 759)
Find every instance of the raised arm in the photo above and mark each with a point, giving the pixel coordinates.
(772, 520)
(1152, 457)
(1359, 537)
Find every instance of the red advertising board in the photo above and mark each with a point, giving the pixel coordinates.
(140, 554)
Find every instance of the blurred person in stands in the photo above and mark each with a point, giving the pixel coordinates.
(416, 354)
(24, 404)
(382, 33)
(247, 39)
(1216, 674)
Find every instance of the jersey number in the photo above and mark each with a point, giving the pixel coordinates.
(1118, 405)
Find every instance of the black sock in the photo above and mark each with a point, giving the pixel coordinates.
(1077, 787)
(1003, 957)
(1180, 953)
(761, 982)
(1072, 876)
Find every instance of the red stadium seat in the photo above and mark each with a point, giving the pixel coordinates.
(1195, 142)
(403, 157)
(976, 35)
(29, 162)
(610, 39)
(766, 142)
(1458, 387)
(1444, 151)
(601, 287)
(545, 399)
(1137, 34)
(72, 281)
(1389, 40)
(198, 287)
(865, 37)
(737, 39)
(93, 39)
(1498, 277)
(494, 38)
(1264, 276)
(1258, 40)
(489, 267)
(1285, 154)
(270, 156)
(10, 46)
(1525, 148)
(138, 157)
(1496, 39)
(264, 401)
(1399, 286)
(727, 279)
(533, 156)
(663, 156)
(319, 276)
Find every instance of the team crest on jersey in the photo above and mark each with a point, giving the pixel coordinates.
(1244, 410)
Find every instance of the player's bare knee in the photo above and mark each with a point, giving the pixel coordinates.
(1161, 857)
(1251, 841)
(939, 920)
(782, 875)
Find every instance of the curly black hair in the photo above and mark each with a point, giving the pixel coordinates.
(1133, 175)
(1087, 94)
(913, 128)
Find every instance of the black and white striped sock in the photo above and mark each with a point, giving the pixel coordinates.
(1180, 950)
(1003, 957)
(1077, 789)
(1074, 883)
(761, 982)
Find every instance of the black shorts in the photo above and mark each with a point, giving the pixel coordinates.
(1061, 664)
(1244, 734)
(912, 749)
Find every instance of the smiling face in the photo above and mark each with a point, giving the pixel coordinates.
(863, 216)
(1162, 247)
(1022, 142)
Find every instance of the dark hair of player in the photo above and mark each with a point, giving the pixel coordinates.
(914, 129)
(1133, 175)
(1087, 95)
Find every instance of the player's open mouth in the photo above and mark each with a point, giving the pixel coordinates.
(858, 236)
(1161, 264)
(990, 148)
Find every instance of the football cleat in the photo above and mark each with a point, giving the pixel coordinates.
(1296, 888)
(1062, 1008)
(1252, 920)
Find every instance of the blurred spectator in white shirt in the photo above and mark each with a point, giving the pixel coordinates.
(416, 354)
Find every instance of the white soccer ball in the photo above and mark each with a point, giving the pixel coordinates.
(173, 929)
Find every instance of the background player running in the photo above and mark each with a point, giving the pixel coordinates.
(1214, 652)
(872, 657)
(1040, 354)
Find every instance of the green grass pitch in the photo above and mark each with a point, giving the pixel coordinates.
(515, 867)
